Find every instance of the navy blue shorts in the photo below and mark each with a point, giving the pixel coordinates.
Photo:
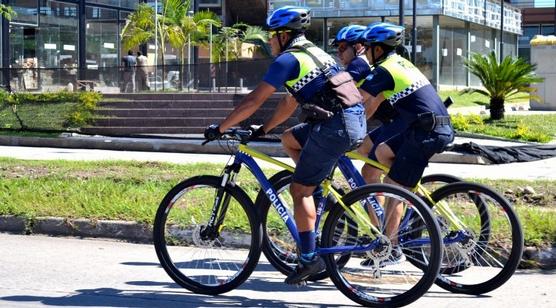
(417, 147)
(389, 133)
(324, 142)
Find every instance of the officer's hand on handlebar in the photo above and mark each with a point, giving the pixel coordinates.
(212, 132)
(256, 131)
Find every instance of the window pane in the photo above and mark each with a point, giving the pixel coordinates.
(27, 11)
(453, 38)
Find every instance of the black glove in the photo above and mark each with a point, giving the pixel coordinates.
(256, 131)
(212, 132)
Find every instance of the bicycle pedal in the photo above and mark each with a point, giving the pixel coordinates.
(301, 284)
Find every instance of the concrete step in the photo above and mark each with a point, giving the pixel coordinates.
(165, 104)
(182, 96)
(175, 121)
(126, 130)
(161, 113)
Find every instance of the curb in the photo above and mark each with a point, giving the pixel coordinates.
(113, 229)
(184, 146)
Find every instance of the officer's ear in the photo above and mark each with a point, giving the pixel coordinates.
(284, 37)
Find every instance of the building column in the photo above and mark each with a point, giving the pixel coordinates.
(435, 51)
(325, 34)
(82, 45)
(468, 52)
(6, 51)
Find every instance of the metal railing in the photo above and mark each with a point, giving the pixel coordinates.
(235, 77)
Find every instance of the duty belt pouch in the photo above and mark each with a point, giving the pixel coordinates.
(344, 88)
(312, 112)
(426, 121)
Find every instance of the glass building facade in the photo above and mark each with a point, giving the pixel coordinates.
(49, 40)
(448, 31)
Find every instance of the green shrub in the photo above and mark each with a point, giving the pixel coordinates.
(50, 110)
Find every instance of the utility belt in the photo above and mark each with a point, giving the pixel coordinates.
(321, 107)
(428, 121)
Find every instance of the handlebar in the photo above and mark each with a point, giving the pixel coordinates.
(242, 135)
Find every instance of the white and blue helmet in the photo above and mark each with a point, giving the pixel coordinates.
(350, 34)
(289, 17)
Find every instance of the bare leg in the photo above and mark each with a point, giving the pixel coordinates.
(304, 206)
(393, 207)
(291, 146)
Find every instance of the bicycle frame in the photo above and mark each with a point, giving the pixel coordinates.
(354, 179)
(440, 207)
(245, 156)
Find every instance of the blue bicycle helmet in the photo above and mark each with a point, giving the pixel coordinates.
(289, 17)
(351, 34)
(383, 32)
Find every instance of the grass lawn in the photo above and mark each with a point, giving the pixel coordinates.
(469, 100)
(132, 191)
(536, 128)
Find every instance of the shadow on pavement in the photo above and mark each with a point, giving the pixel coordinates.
(109, 297)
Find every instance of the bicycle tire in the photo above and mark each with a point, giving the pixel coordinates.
(349, 279)
(440, 178)
(219, 279)
(498, 209)
(444, 179)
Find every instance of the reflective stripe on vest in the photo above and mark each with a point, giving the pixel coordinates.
(308, 70)
(407, 78)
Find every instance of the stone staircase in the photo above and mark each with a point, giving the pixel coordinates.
(166, 113)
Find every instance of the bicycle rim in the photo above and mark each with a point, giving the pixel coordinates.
(377, 283)
(202, 260)
(488, 256)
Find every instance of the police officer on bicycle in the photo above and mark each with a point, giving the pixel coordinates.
(351, 52)
(334, 123)
(422, 125)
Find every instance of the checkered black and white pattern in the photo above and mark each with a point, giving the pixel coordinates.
(408, 91)
(309, 77)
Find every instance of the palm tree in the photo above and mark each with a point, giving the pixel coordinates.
(7, 12)
(503, 81)
(230, 39)
(139, 27)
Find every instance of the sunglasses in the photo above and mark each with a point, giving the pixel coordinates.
(342, 48)
(272, 33)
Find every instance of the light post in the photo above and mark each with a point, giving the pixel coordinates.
(501, 30)
(189, 13)
(210, 44)
(155, 43)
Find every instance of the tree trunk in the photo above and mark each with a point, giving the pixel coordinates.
(496, 109)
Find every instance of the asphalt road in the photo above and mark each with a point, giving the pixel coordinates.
(40, 271)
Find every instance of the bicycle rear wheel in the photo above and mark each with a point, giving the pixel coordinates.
(200, 259)
(380, 284)
(489, 253)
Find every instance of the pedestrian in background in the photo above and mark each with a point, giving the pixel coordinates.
(128, 62)
(142, 72)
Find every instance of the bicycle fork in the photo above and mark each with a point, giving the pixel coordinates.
(220, 206)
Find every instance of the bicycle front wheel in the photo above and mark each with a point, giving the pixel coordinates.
(369, 278)
(200, 258)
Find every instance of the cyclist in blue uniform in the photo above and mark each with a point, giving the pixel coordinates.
(422, 124)
(351, 52)
(332, 128)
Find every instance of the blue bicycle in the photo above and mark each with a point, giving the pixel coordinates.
(482, 236)
(208, 234)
